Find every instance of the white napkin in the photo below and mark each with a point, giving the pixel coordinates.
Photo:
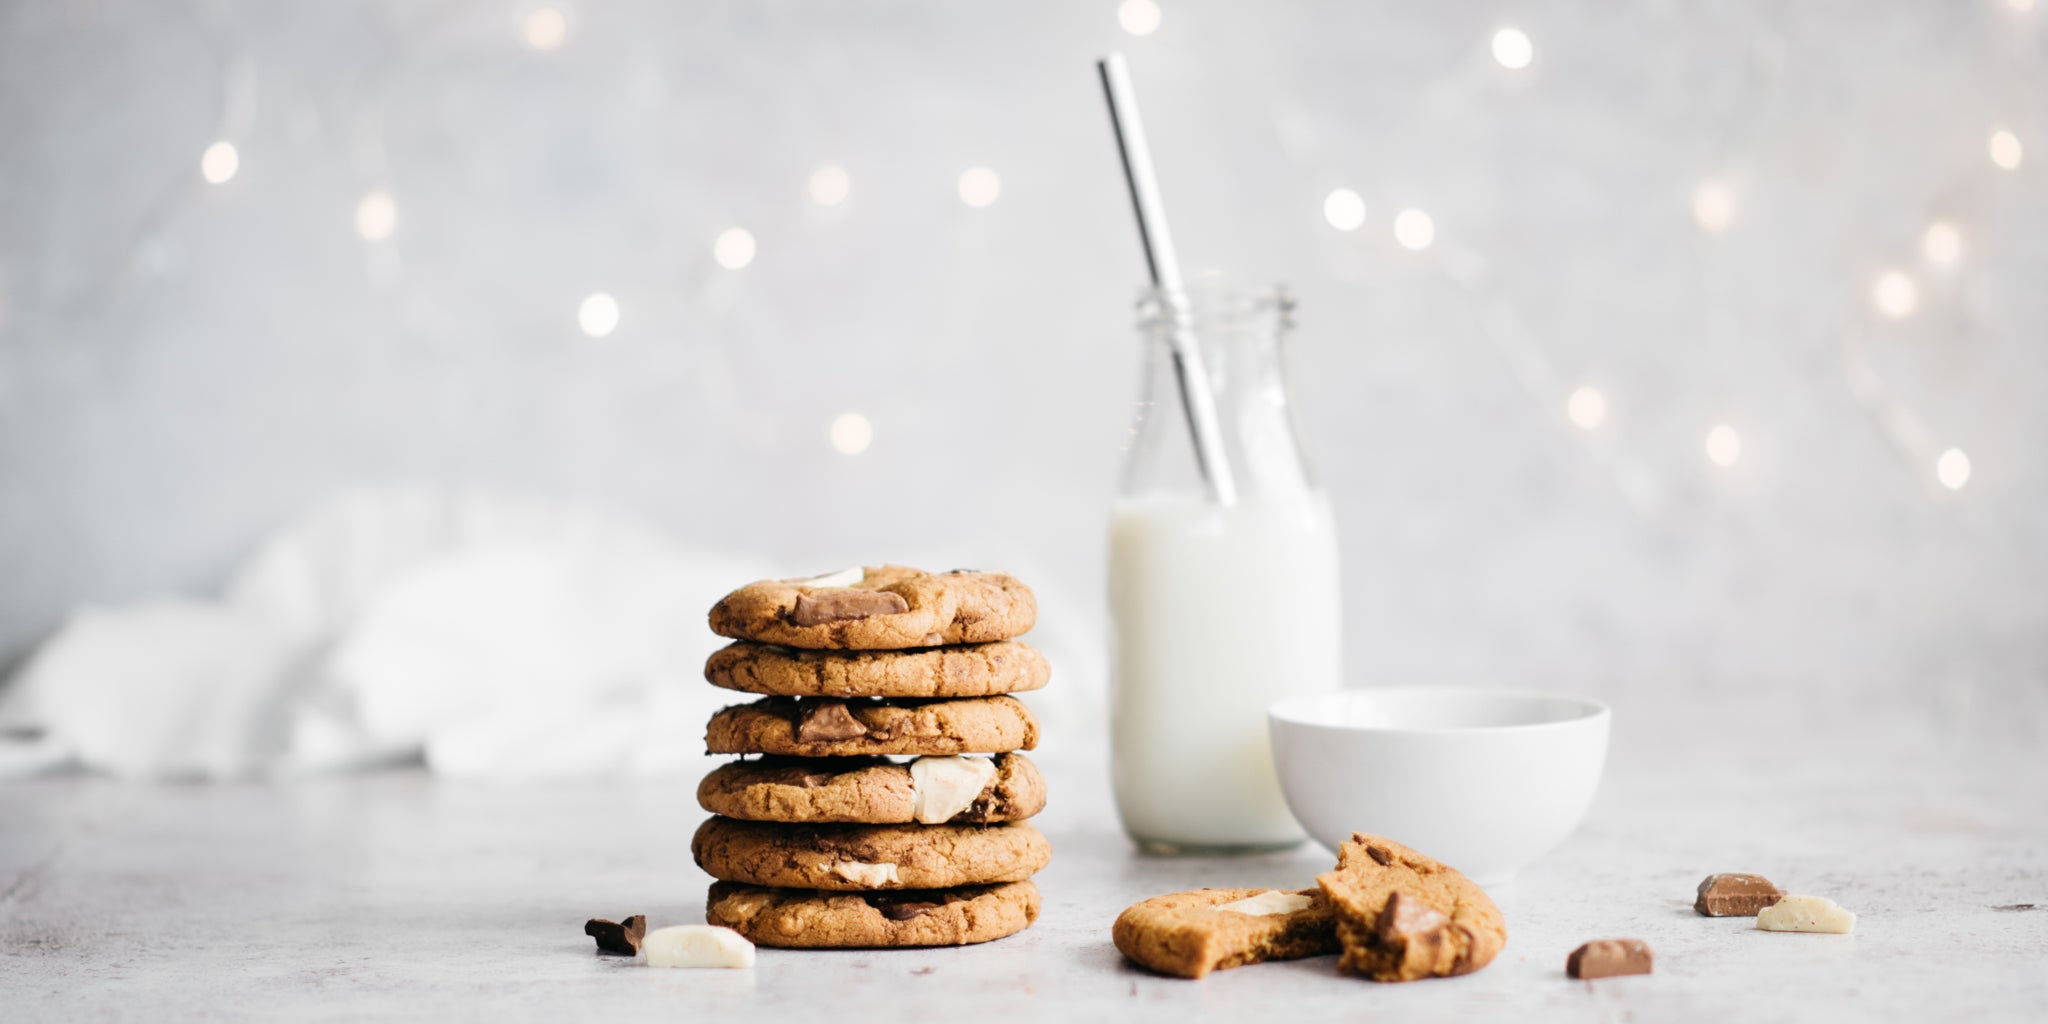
(496, 638)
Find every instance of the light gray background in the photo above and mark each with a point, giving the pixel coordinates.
(184, 365)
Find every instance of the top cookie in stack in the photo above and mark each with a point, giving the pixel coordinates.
(823, 841)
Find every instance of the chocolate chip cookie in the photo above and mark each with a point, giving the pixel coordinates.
(975, 670)
(1189, 934)
(930, 790)
(823, 920)
(824, 727)
(1402, 916)
(882, 608)
(867, 857)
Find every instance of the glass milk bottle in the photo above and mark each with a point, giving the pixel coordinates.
(1218, 610)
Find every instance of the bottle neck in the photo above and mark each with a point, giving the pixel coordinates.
(1240, 337)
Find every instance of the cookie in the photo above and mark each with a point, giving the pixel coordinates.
(1402, 916)
(868, 857)
(800, 919)
(930, 790)
(976, 670)
(1189, 934)
(823, 727)
(885, 608)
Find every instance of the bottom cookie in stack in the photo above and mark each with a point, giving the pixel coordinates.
(824, 920)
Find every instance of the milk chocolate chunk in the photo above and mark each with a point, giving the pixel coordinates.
(1607, 958)
(1413, 935)
(1735, 895)
(621, 937)
(905, 909)
(1406, 919)
(846, 605)
(828, 721)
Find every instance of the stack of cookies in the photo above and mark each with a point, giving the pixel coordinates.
(860, 815)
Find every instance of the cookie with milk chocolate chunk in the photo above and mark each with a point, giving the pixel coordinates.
(802, 919)
(1403, 916)
(971, 670)
(881, 608)
(823, 727)
(929, 790)
(1189, 934)
(867, 857)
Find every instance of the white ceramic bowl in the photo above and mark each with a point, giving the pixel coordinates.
(1483, 780)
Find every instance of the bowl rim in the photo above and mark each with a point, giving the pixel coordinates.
(1287, 710)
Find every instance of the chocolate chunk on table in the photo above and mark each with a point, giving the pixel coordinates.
(1735, 895)
(1607, 958)
(621, 937)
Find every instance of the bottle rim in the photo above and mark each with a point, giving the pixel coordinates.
(1214, 302)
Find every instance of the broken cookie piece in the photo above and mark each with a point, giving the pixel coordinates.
(1735, 895)
(1609, 958)
(1189, 934)
(621, 937)
(698, 945)
(1806, 914)
(1402, 916)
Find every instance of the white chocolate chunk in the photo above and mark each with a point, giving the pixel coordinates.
(697, 945)
(1272, 901)
(870, 875)
(945, 786)
(842, 578)
(1806, 914)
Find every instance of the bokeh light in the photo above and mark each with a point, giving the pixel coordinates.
(851, 433)
(1894, 294)
(1138, 17)
(598, 315)
(734, 248)
(979, 186)
(830, 185)
(1723, 445)
(1414, 230)
(1586, 407)
(1512, 49)
(220, 162)
(1344, 209)
(376, 216)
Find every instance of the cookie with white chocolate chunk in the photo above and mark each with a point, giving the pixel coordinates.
(879, 608)
(823, 727)
(802, 919)
(929, 790)
(1189, 934)
(867, 857)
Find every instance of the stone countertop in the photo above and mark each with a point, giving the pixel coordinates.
(394, 895)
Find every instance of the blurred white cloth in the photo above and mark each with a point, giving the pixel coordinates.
(496, 638)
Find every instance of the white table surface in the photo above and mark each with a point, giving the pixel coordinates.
(394, 895)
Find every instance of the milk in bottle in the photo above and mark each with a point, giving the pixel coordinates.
(1218, 609)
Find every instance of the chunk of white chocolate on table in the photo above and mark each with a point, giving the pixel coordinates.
(697, 945)
(945, 786)
(1272, 901)
(1806, 914)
